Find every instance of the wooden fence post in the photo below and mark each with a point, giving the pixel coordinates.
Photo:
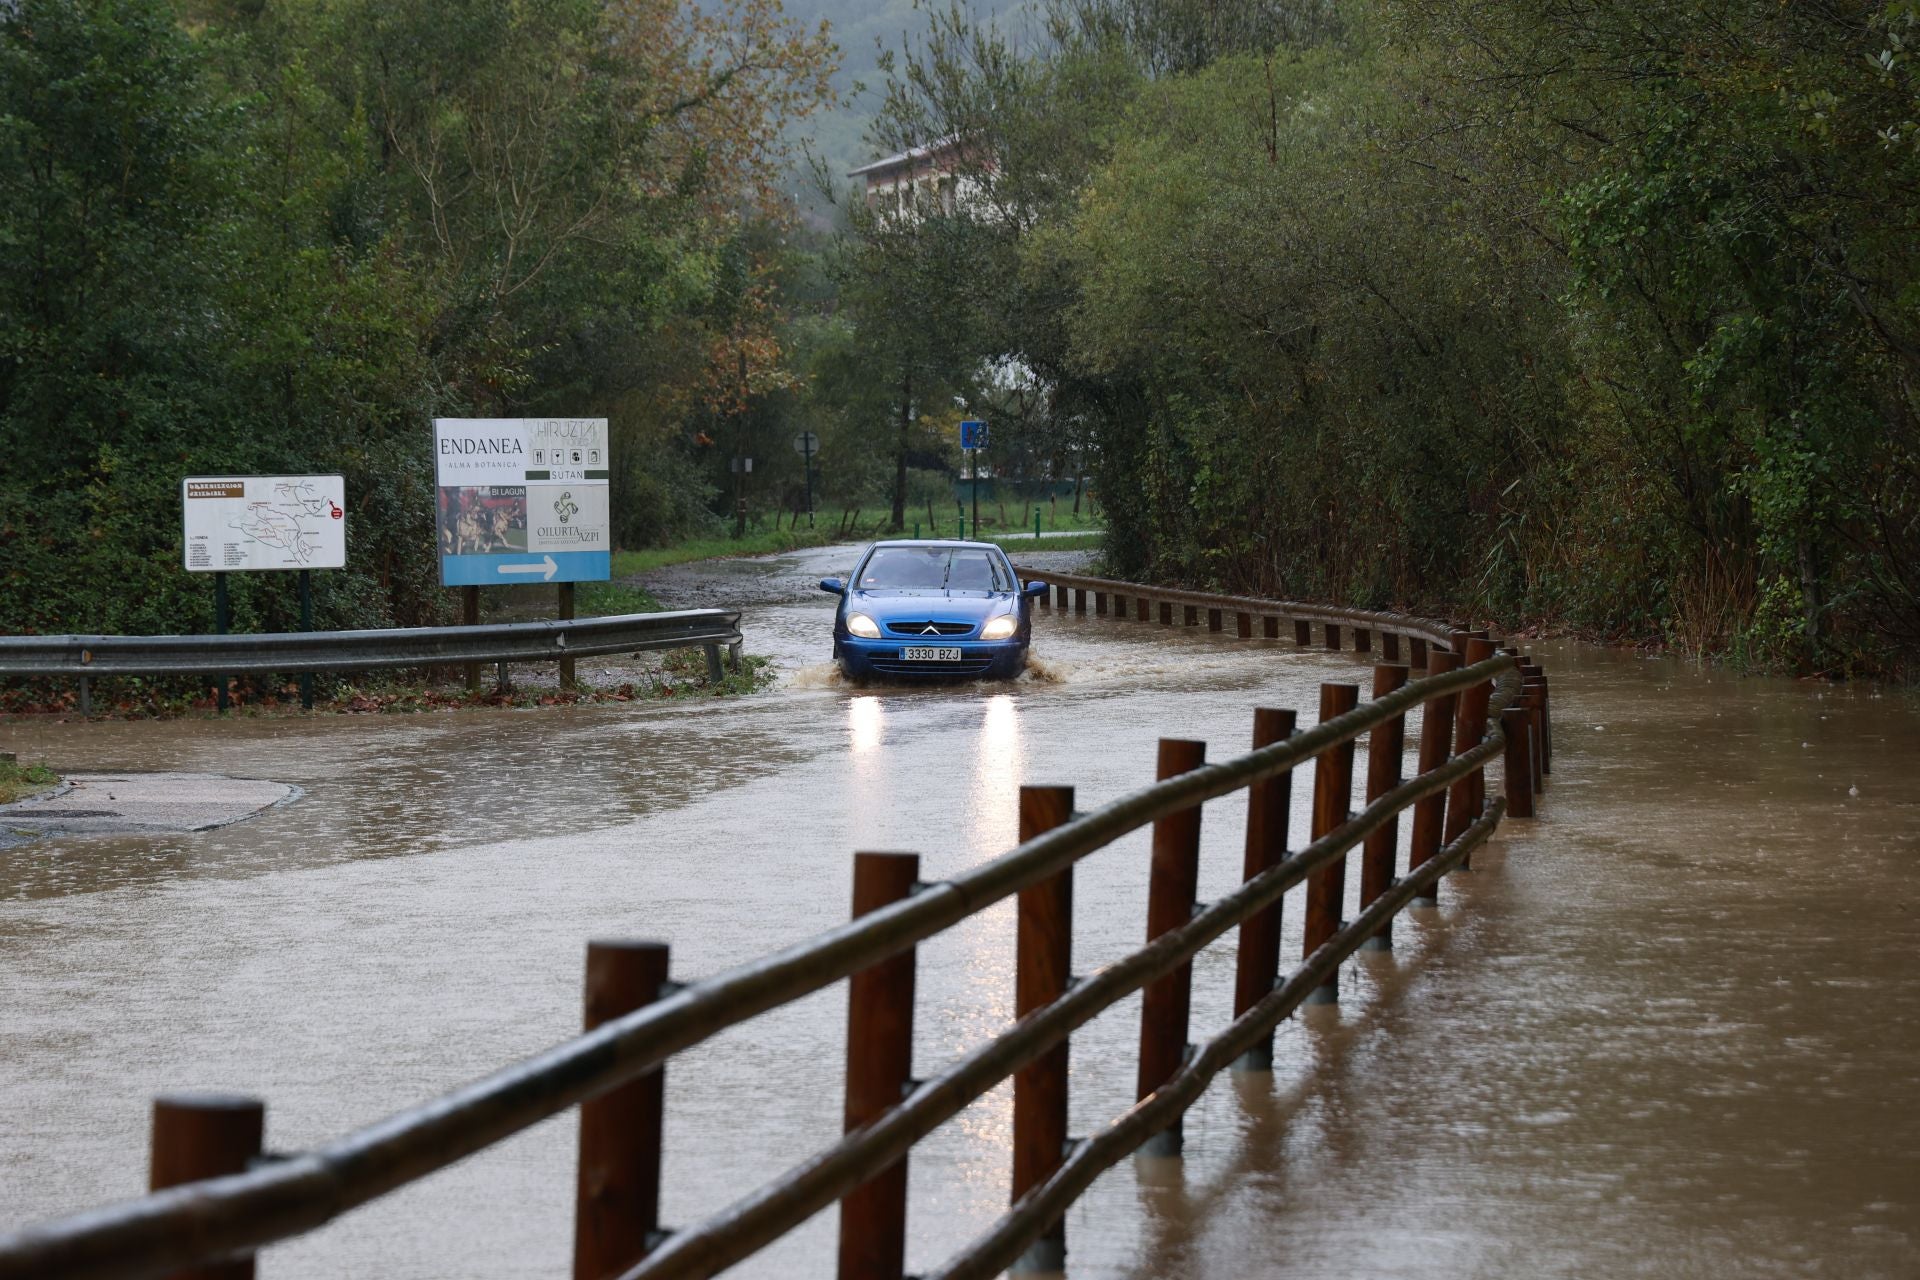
(873, 1216)
(1385, 746)
(1043, 965)
(1302, 632)
(1362, 640)
(1332, 794)
(1535, 672)
(617, 1190)
(1270, 628)
(1390, 645)
(1213, 620)
(1243, 625)
(1517, 724)
(1436, 733)
(1534, 698)
(1467, 796)
(204, 1135)
(1417, 653)
(1257, 963)
(1171, 887)
(1333, 637)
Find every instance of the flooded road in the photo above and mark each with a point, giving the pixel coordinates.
(1670, 1030)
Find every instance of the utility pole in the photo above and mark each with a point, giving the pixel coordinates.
(803, 445)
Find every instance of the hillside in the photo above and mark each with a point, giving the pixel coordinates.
(863, 29)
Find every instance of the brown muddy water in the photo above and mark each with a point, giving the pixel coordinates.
(1671, 1029)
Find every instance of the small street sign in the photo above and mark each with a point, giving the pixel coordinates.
(734, 465)
(263, 522)
(973, 438)
(806, 444)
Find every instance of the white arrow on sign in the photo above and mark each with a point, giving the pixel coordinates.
(546, 569)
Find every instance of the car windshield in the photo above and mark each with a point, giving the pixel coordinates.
(933, 569)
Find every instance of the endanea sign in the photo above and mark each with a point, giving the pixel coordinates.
(522, 500)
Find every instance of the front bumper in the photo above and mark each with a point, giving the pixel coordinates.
(979, 659)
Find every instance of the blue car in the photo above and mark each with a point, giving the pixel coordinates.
(920, 609)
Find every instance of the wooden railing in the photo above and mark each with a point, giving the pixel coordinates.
(216, 1199)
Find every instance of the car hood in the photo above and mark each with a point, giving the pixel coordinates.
(892, 604)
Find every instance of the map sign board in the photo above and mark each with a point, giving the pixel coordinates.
(233, 524)
(522, 500)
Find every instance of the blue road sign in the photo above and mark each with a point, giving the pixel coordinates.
(525, 568)
(973, 434)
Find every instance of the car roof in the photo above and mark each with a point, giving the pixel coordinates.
(937, 544)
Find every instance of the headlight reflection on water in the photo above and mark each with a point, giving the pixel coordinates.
(864, 720)
(998, 766)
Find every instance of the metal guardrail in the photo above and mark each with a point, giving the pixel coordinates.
(1077, 589)
(97, 656)
(230, 1203)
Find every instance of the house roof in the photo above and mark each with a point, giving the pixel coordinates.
(902, 157)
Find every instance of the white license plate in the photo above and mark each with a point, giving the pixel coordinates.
(929, 655)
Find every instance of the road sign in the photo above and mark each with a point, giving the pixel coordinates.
(240, 523)
(734, 465)
(522, 500)
(806, 444)
(973, 434)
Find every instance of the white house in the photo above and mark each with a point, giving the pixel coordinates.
(932, 176)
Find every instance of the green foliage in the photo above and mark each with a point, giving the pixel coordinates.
(1590, 313)
(18, 781)
(758, 543)
(282, 238)
(610, 599)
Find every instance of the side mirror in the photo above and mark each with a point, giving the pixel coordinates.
(834, 585)
(1035, 589)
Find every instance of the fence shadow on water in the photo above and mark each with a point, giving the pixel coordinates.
(216, 1199)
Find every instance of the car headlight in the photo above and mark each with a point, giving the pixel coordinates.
(1000, 628)
(861, 625)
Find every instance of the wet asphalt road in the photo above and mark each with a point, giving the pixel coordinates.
(1669, 1030)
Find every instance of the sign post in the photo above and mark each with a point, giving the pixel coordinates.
(470, 617)
(806, 444)
(973, 438)
(306, 624)
(220, 617)
(245, 523)
(566, 615)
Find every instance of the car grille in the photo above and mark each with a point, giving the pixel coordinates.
(939, 628)
(965, 667)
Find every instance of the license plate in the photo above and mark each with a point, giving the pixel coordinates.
(929, 655)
